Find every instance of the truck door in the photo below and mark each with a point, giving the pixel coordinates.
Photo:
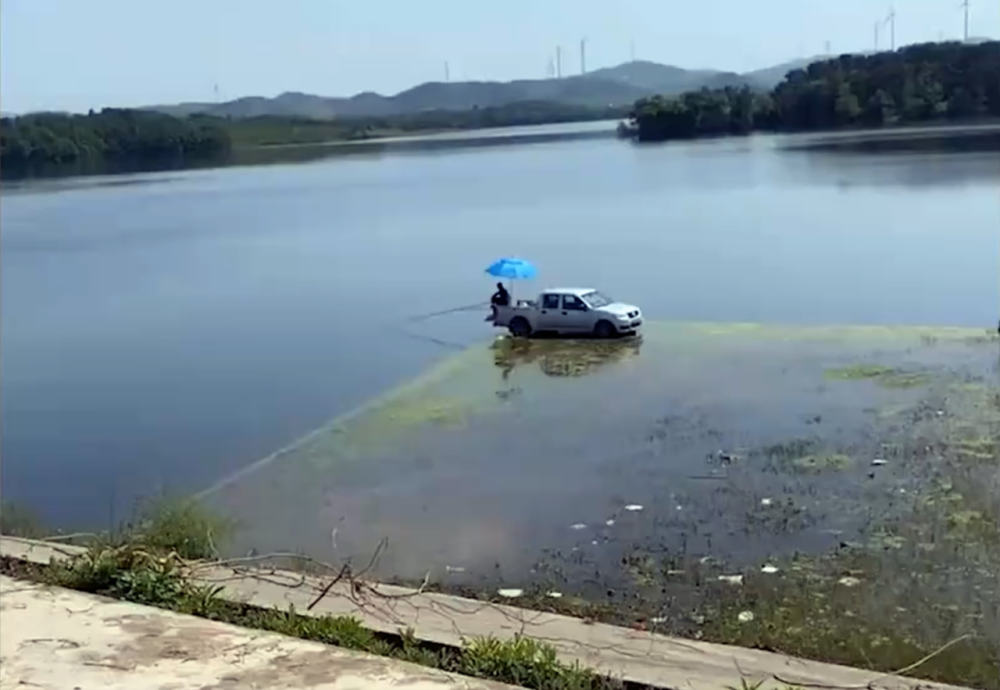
(576, 316)
(549, 312)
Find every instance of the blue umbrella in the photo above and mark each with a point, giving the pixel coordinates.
(512, 268)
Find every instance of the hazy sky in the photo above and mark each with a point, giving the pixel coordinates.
(79, 54)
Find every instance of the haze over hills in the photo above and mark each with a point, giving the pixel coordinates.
(610, 86)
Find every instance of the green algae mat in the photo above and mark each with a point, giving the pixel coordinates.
(826, 491)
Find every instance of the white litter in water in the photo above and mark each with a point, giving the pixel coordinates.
(731, 579)
(849, 581)
(745, 616)
(578, 526)
(656, 620)
(680, 507)
(769, 569)
(633, 507)
(609, 522)
(454, 569)
(594, 542)
(940, 413)
(878, 462)
(510, 593)
(675, 572)
(554, 595)
(766, 501)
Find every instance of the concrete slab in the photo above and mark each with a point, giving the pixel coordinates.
(57, 638)
(633, 655)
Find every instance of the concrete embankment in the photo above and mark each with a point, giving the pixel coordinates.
(632, 655)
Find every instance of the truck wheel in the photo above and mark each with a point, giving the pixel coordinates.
(605, 329)
(519, 327)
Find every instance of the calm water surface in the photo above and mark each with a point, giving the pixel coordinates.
(162, 330)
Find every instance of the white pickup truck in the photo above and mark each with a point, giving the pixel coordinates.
(576, 311)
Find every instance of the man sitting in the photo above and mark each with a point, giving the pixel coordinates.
(500, 298)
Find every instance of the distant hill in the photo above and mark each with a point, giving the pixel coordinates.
(610, 86)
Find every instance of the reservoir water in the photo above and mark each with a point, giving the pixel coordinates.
(162, 330)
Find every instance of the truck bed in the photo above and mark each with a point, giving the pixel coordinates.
(504, 314)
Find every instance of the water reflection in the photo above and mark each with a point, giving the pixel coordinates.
(561, 357)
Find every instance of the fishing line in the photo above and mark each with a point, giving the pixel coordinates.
(468, 307)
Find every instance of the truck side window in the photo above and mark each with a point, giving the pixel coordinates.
(550, 301)
(573, 302)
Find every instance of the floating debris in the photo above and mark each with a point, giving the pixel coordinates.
(878, 462)
(731, 579)
(656, 620)
(594, 542)
(849, 581)
(727, 458)
(680, 507)
(578, 526)
(766, 501)
(769, 569)
(609, 522)
(675, 572)
(554, 595)
(745, 616)
(454, 569)
(510, 593)
(633, 507)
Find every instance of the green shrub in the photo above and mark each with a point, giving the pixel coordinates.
(521, 661)
(179, 525)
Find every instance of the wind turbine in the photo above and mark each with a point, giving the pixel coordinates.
(891, 20)
(965, 6)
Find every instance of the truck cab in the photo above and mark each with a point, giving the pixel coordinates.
(570, 311)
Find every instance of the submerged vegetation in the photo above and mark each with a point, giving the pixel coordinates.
(915, 84)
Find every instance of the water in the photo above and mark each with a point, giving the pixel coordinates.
(160, 331)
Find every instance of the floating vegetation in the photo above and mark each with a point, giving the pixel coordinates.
(982, 448)
(856, 372)
(833, 462)
(888, 377)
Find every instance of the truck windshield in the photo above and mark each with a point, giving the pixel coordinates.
(596, 300)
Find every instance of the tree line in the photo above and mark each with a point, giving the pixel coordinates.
(915, 84)
(122, 139)
(112, 136)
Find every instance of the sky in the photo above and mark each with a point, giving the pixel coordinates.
(80, 54)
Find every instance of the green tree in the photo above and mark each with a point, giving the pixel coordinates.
(963, 103)
(846, 107)
(880, 109)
